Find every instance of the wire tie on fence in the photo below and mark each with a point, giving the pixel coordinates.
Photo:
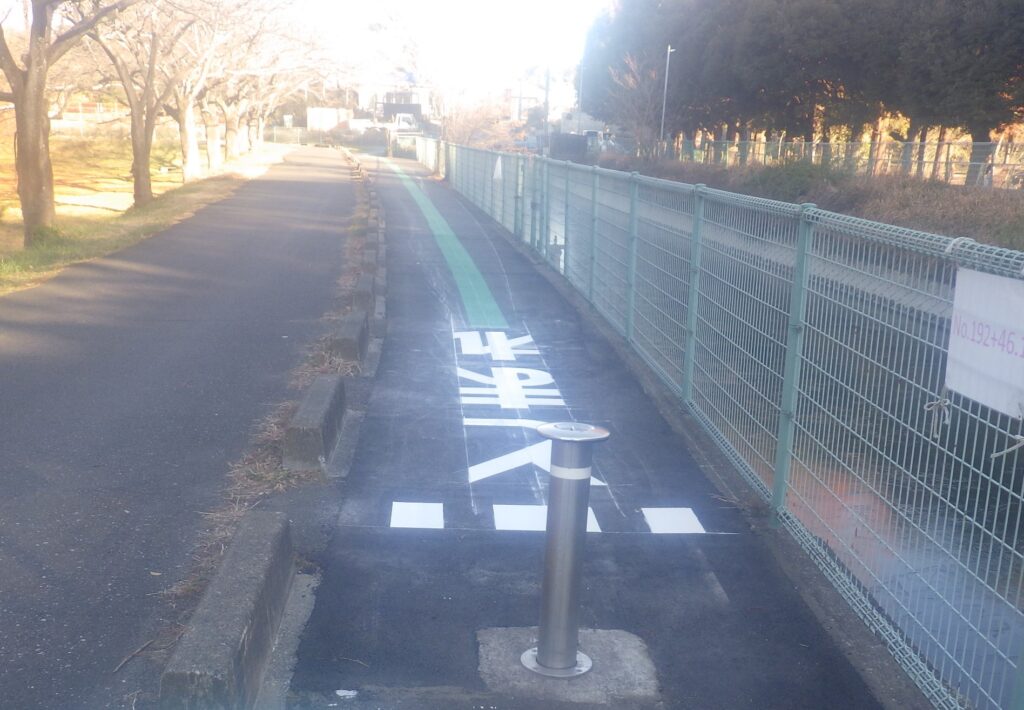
(940, 414)
(953, 244)
(1018, 438)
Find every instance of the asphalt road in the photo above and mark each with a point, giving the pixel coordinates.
(127, 386)
(434, 540)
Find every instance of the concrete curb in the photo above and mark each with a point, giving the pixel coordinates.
(363, 292)
(220, 660)
(313, 430)
(351, 336)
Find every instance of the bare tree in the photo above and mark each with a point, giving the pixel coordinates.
(476, 125)
(199, 56)
(260, 68)
(636, 98)
(140, 45)
(49, 39)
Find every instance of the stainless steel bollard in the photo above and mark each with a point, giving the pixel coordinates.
(557, 654)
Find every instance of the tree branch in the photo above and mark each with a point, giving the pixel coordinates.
(66, 41)
(10, 68)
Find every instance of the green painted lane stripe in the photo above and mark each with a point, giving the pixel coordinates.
(481, 309)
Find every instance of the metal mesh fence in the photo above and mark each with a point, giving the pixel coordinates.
(813, 347)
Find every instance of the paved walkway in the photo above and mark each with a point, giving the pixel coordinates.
(437, 539)
(127, 386)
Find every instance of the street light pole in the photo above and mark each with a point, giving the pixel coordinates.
(664, 93)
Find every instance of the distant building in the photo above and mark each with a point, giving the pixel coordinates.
(415, 101)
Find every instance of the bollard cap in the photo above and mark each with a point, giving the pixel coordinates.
(576, 432)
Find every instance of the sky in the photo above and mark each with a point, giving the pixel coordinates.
(462, 46)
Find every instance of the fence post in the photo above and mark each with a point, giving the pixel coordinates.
(693, 294)
(546, 233)
(534, 207)
(491, 181)
(791, 374)
(565, 227)
(594, 184)
(634, 191)
(517, 217)
(1018, 691)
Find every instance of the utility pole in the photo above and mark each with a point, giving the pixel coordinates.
(664, 94)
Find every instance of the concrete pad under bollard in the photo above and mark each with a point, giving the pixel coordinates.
(622, 670)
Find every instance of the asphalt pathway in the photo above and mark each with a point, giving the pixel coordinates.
(127, 386)
(436, 538)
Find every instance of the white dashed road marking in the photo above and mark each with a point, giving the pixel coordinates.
(531, 518)
(664, 521)
(417, 515)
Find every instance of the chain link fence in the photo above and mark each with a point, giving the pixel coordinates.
(812, 347)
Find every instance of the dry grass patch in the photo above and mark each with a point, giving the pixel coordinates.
(253, 477)
(93, 193)
(322, 362)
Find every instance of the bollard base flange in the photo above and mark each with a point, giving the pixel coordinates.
(583, 664)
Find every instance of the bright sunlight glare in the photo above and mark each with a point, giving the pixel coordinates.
(465, 46)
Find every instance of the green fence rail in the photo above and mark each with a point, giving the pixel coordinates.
(812, 347)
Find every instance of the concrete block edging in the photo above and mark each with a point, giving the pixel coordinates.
(314, 428)
(220, 660)
(350, 338)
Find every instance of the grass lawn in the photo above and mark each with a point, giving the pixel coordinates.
(93, 190)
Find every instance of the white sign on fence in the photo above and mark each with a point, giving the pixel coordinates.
(986, 341)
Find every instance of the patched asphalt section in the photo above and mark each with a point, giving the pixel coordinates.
(127, 386)
(398, 611)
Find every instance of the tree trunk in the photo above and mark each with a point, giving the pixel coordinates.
(938, 152)
(245, 136)
(214, 149)
(907, 156)
(191, 166)
(231, 138)
(745, 146)
(981, 151)
(826, 146)
(922, 143)
(32, 159)
(142, 148)
(850, 152)
(876, 137)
